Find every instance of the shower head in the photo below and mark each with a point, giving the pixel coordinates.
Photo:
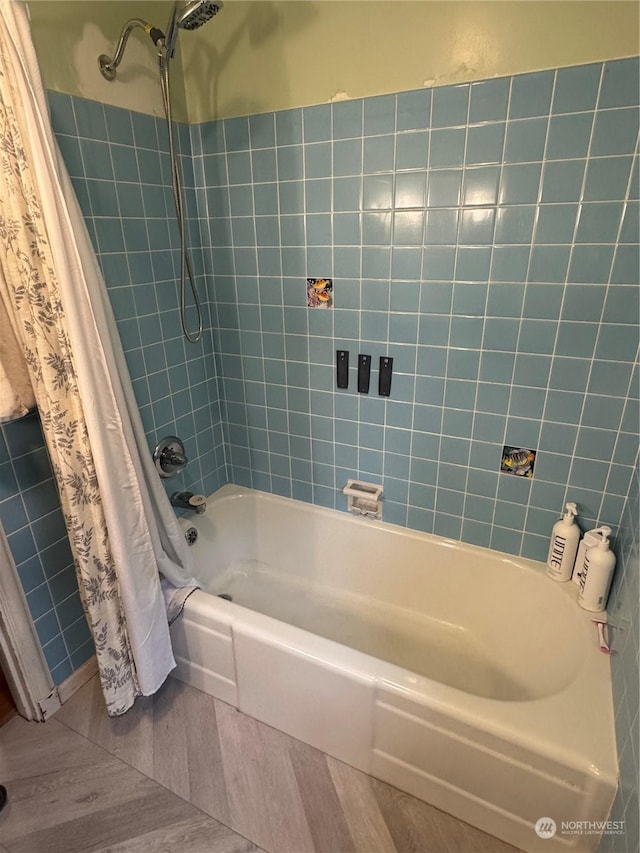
(189, 16)
(195, 13)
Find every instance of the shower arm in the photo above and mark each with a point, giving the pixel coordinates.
(108, 64)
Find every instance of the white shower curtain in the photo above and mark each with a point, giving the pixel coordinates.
(123, 531)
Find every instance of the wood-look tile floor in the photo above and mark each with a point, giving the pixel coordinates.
(184, 773)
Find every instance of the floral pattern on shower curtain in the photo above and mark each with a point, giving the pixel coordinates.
(29, 288)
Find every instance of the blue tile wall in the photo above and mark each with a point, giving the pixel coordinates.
(32, 520)
(120, 167)
(486, 237)
(625, 665)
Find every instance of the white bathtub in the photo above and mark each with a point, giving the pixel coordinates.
(460, 675)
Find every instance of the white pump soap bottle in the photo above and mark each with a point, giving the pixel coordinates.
(590, 538)
(565, 537)
(596, 576)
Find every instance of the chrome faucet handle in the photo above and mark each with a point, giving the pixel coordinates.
(169, 456)
(172, 457)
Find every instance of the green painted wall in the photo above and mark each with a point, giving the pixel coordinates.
(262, 55)
(69, 35)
